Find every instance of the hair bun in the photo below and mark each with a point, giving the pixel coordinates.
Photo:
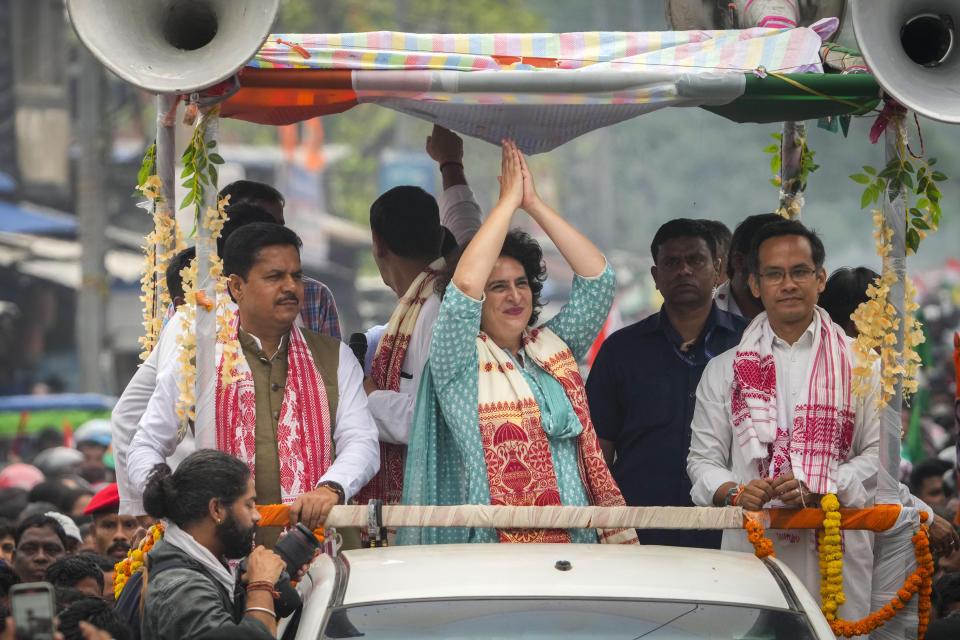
(160, 495)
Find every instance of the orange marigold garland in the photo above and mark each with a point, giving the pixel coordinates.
(134, 560)
(923, 575)
(920, 581)
(762, 545)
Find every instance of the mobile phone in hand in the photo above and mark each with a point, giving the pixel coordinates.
(32, 606)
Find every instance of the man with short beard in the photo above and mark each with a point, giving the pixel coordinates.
(209, 504)
(112, 532)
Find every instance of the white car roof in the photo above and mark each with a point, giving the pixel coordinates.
(529, 570)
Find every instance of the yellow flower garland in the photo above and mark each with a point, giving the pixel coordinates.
(187, 348)
(200, 172)
(226, 335)
(831, 558)
(920, 581)
(876, 319)
(155, 296)
(134, 560)
(187, 352)
(877, 324)
(215, 219)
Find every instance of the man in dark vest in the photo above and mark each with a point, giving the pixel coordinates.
(289, 402)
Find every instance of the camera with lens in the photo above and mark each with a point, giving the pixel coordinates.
(297, 548)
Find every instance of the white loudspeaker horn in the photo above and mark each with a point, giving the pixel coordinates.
(173, 46)
(911, 48)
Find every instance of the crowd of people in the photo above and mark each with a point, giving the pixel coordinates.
(738, 391)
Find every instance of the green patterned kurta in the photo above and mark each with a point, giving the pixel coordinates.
(445, 444)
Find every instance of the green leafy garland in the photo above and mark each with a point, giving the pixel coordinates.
(148, 167)
(797, 184)
(920, 181)
(200, 166)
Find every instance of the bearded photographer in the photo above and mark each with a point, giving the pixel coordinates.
(208, 504)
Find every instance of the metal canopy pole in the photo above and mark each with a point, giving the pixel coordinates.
(893, 550)
(895, 217)
(793, 136)
(166, 171)
(94, 289)
(206, 328)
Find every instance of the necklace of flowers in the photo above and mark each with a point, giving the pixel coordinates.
(226, 319)
(214, 220)
(877, 324)
(831, 573)
(762, 545)
(134, 560)
(831, 559)
(919, 581)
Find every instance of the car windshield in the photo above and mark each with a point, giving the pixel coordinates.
(564, 618)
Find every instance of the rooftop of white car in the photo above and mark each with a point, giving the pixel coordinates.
(530, 570)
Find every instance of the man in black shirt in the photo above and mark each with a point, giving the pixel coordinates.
(643, 383)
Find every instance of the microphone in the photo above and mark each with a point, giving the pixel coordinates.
(358, 344)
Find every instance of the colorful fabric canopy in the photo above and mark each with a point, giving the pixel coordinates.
(540, 89)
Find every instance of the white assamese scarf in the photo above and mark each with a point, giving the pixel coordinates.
(822, 428)
(189, 545)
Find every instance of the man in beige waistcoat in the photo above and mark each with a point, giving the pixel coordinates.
(290, 404)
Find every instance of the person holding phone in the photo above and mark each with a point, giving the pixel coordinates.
(33, 607)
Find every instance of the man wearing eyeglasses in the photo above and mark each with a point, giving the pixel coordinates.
(775, 423)
(642, 385)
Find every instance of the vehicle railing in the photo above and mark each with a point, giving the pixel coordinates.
(877, 518)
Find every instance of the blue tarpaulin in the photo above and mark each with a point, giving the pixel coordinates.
(93, 401)
(16, 219)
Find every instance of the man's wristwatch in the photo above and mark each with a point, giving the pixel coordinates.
(336, 488)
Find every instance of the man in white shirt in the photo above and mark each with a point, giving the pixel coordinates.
(133, 401)
(407, 233)
(775, 423)
(295, 395)
(734, 295)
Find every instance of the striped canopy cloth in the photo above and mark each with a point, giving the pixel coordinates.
(539, 89)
